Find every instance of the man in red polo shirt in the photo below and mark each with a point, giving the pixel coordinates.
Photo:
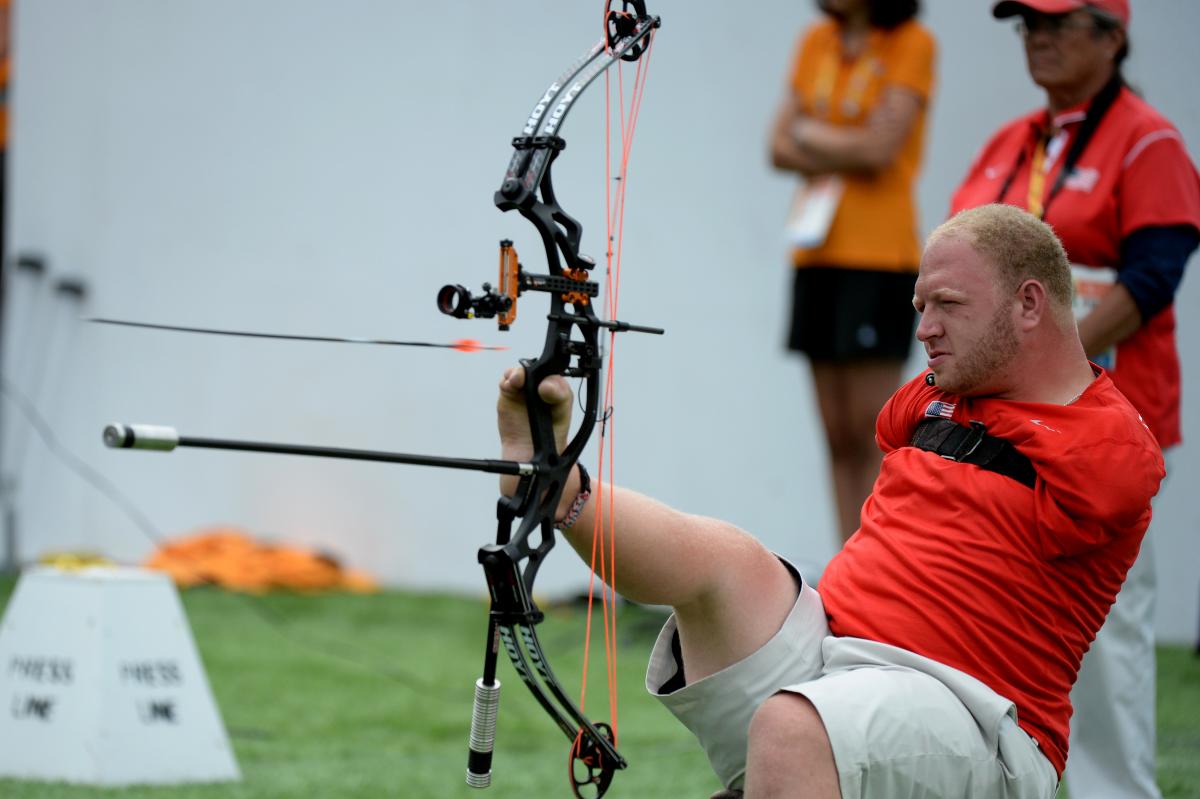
(937, 659)
(1112, 177)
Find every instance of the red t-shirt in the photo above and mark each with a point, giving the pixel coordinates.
(1134, 173)
(979, 572)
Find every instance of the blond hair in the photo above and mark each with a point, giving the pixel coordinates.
(1018, 244)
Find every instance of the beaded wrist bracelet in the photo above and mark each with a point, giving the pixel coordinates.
(585, 491)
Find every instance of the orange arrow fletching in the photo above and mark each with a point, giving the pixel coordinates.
(471, 345)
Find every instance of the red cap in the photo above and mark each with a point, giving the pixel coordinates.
(1117, 9)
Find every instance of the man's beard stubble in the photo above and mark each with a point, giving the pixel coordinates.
(990, 355)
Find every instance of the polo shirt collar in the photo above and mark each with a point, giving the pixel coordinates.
(1070, 116)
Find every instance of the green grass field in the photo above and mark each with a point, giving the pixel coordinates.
(344, 696)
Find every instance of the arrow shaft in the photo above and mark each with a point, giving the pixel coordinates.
(471, 464)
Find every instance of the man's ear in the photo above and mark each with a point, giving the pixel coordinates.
(1031, 296)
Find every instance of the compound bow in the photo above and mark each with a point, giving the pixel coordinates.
(511, 564)
(528, 188)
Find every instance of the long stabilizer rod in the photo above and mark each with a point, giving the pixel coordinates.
(165, 439)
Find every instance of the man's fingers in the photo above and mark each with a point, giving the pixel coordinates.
(553, 390)
(512, 413)
(513, 380)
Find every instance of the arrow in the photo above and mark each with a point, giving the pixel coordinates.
(462, 345)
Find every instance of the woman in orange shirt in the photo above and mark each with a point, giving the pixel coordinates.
(852, 126)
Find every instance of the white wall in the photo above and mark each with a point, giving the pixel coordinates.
(323, 168)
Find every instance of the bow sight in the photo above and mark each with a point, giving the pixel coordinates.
(573, 285)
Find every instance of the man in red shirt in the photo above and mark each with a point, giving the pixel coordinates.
(938, 657)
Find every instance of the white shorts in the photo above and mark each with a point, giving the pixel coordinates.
(901, 725)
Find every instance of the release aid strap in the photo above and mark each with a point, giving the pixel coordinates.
(973, 444)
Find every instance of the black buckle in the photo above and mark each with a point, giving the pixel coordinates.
(971, 439)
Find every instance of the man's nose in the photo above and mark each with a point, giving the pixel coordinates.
(926, 327)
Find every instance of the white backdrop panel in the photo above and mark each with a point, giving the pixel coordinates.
(323, 168)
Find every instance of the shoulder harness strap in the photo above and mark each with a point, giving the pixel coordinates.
(973, 444)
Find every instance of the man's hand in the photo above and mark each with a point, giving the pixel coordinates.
(512, 418)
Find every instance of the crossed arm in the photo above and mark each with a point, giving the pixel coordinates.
(805, 144)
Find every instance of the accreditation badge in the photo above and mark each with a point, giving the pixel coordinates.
(813, 207)
(1091, 284)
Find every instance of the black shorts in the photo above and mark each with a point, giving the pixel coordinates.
(841, 314)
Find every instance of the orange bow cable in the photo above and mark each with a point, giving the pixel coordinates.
(603, 557)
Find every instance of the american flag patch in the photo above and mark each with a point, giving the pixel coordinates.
(937, 408)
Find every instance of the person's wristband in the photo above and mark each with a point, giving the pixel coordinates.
(581, 498)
